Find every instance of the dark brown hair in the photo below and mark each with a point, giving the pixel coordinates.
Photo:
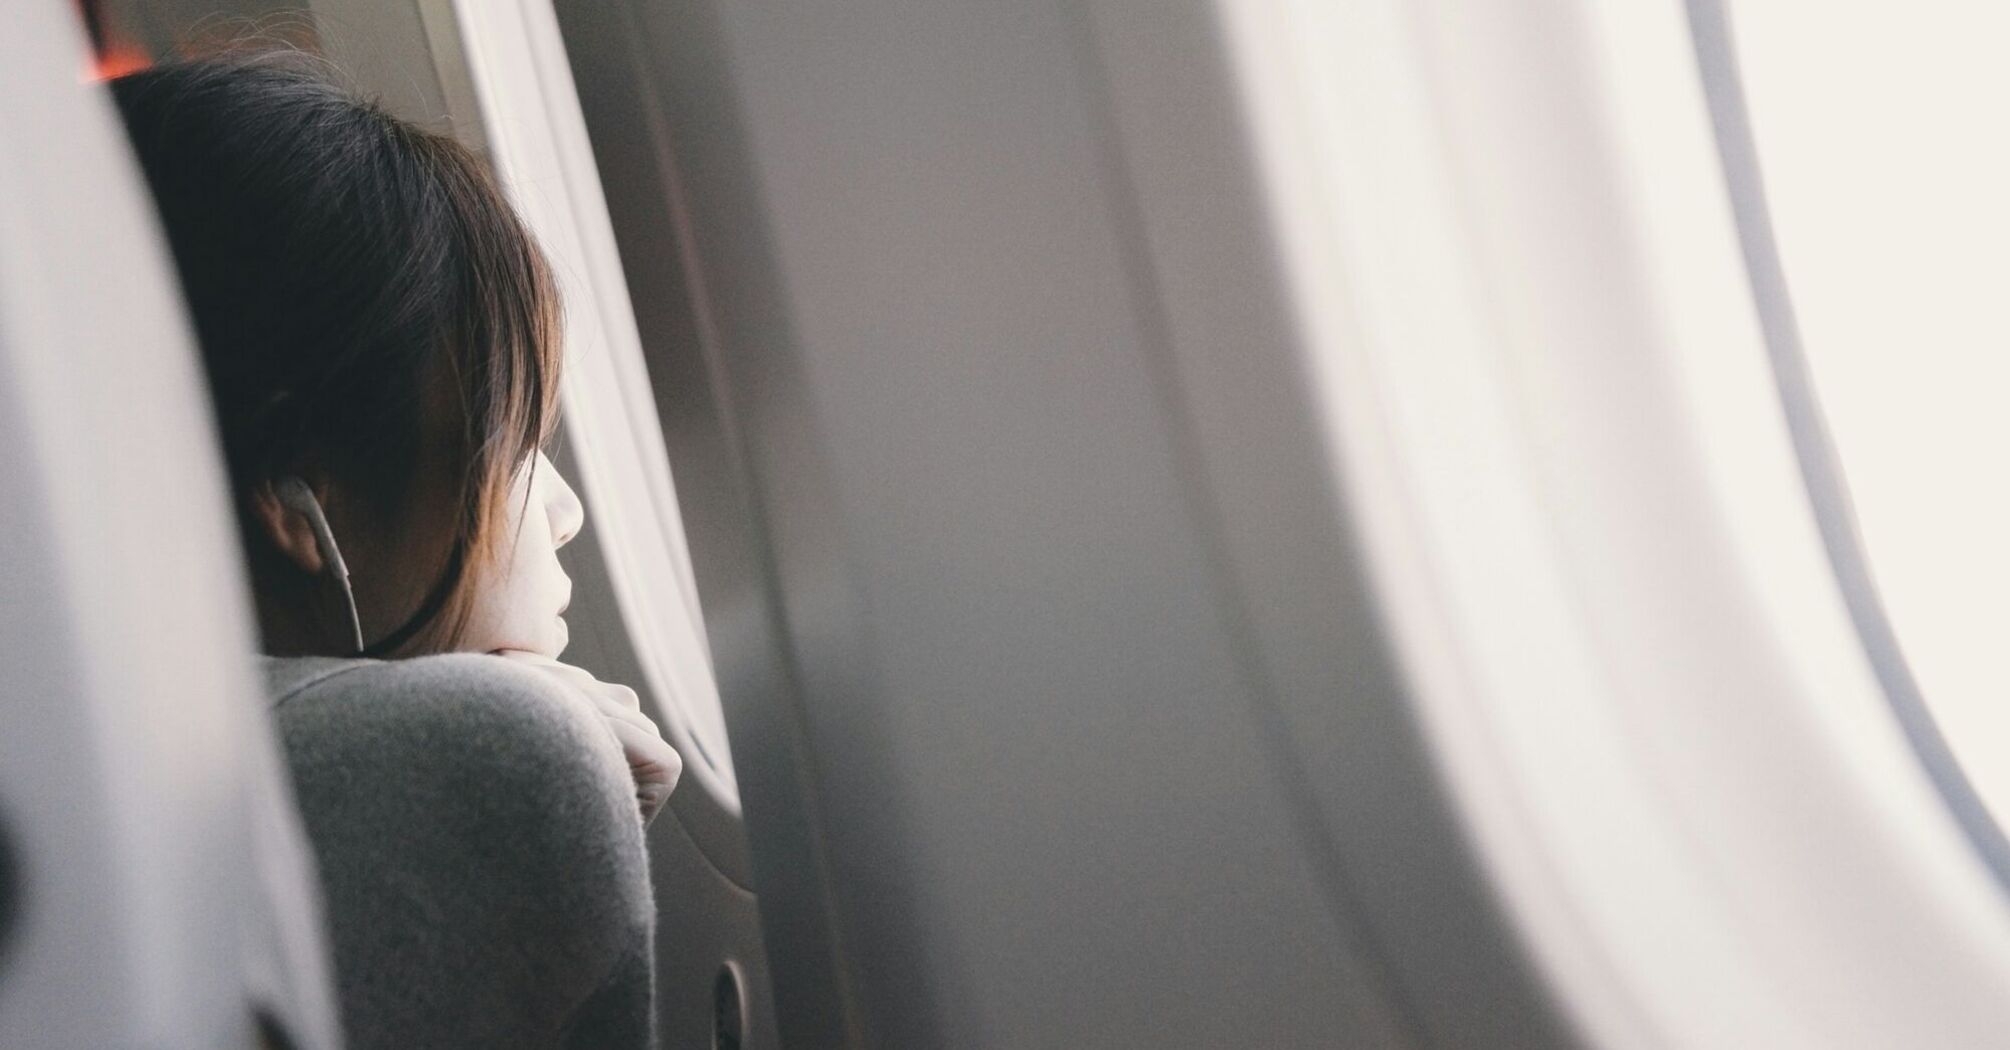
(360, 287)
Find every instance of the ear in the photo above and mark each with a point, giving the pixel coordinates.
(287, 529)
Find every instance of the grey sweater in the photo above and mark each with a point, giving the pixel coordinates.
(480, 851)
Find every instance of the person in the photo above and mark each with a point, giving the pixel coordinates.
(381, 338)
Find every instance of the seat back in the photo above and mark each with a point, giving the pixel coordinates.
(159, 892)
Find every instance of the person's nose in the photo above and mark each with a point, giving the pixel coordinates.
(561, 505)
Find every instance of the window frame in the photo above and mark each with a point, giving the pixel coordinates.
(1517, 275)
(531, 128)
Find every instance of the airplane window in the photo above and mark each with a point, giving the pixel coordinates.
(1884, 153)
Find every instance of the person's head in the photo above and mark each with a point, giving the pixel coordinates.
(376, 321)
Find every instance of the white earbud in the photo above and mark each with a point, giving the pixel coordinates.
(296, 496)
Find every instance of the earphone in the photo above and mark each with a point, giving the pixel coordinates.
(295, 496)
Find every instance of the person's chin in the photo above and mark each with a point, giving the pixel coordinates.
(561, 636)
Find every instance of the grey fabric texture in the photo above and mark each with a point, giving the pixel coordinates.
(480, 851)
